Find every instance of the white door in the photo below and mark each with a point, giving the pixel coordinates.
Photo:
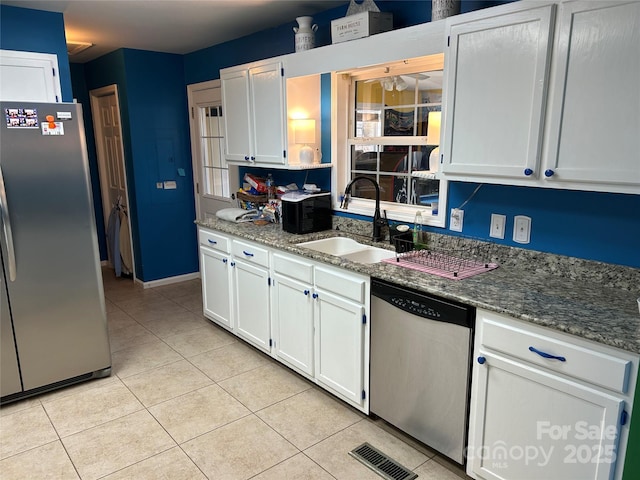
(251, 304)
(268, 107)
(238, 125)
(27, 76)
(339, 344)
(215, 269)
(496, 72)
(210, 171)
(595, 109)
(529, 424)
(293, 323)
(113, 179)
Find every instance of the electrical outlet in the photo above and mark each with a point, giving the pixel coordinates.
(521, 229)
(455, 223)
(496, 230)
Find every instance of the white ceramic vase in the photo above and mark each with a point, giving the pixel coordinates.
(305, 34)
(444, 8)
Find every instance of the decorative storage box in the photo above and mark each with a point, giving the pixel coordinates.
(360, 25)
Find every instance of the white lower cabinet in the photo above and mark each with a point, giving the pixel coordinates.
(293, 304)
(538, 405)
(310, 316)
(339, 346)
(215, 270)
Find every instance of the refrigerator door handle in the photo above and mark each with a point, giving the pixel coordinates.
(6, 229)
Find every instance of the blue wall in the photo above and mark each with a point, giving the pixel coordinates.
(205, 64)
(37, 31)
(591, 225)
(155, 134)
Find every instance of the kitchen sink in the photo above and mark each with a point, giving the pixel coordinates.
(349, 249)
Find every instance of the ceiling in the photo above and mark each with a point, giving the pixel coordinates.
(170, 26)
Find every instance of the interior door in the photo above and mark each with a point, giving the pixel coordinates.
(211, 174)
(113, 180)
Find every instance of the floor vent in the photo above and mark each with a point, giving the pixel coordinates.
(381, 464)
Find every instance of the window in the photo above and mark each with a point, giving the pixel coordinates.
(391, 133)
(215, 173)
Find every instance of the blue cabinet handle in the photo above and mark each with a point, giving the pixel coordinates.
(549, 173)
(233, 264)
(315, 295)
(224, 260)
(306, 292)
(212, 242)
(547, 355)
(528, 172)
(248, 254)
(481, 360)
(246, 157)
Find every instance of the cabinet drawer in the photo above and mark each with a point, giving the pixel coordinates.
(583, 363)
(250, 253)
(213, 240)
(292, 267)
(341, 284)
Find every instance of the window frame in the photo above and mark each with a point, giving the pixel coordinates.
(343, 113)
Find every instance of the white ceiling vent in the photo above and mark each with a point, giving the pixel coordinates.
(73, 48)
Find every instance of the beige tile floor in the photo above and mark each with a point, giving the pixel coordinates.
(187, 400)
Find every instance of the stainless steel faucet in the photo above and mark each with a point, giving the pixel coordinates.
(378, 221)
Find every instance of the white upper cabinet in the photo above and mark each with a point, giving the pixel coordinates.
(254, 113)
(545, 100)
(28, 76)
(594, 109)
(496, 76)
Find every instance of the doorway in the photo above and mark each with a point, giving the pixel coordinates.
(210, 170)
(105, 111)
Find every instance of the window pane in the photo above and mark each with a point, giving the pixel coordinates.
(394, 159)
(217, 182)
(425, 191)
(399, 122)
(364, 157)
(363, 188)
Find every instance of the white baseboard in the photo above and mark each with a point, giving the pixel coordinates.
(169, 280)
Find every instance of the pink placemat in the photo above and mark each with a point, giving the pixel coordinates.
(465, 271)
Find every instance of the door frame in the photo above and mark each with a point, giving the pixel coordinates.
(94, 96)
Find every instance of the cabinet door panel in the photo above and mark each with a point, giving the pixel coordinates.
(216, 286)
(339, 345)
(293, 323)
(235, 98)
(252, 304)
(496, 91)
(594, 133)
(267, 97)
(529, 424)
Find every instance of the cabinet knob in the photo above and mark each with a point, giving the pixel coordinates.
(224, 260)
(549, 173)
(481, 360)
(315, 295)
(246, 158)
(253, 159)
(306, 292)
(528, 172)
(233, 264)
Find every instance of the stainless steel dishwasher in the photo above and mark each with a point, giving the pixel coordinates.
(420, 365)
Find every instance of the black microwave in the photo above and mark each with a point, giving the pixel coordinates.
(304, 212)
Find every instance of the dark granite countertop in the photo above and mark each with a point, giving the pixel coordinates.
(592, 300)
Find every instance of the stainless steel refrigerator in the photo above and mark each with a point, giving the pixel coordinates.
(52, 307)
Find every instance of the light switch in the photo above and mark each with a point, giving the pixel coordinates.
(170, 185)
